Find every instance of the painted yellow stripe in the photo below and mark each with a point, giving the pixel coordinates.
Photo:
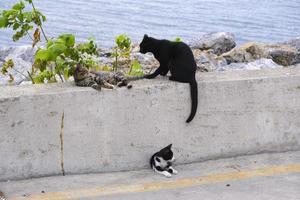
(172, 184)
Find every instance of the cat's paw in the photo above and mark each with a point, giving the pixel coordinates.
(171, 170)
(96, 87)
(121, 84)
(147, 76)
(167, 174)
(171, 78)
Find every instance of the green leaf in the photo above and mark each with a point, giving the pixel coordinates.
(21, 17)
(66, 74)
(39, 65)
(28, 16)
(177, 39)
(38, 17)
(50, 42)
(16, 26)
(10, 14)
(55, 50)
(89, 47)
(42, 54)
(60, 65)
(8, 64)
(123, 42)
(29, 1)
(43, 17)
(3, 22)
(44, 76)
(19, 34)
(68, 39)
(19, 6)
(136, 69)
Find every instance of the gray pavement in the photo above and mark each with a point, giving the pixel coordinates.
(256, 177)
(282, 187)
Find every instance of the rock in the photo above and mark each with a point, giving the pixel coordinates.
(207, 61)
(281, 54)
(23, 58)
(285, 56)
(147, 61)
(293, 43)
(219, 42)
(136, 48)
(245, 53)
(262, 63)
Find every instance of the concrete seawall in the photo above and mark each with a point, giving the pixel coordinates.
(59, 128)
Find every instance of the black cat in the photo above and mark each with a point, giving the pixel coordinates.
(161, 162)
(179, 59)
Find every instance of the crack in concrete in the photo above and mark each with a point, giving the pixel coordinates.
(61, 136)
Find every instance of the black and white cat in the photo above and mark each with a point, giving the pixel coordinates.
(161, 162)
(176, 57)
(2, 197)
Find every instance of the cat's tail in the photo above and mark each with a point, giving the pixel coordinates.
(194, 97)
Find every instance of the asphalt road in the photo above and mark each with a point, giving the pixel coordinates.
(256, 177)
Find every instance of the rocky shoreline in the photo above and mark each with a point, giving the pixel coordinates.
(214, 52)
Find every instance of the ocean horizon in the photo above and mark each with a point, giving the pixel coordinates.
(256, 20)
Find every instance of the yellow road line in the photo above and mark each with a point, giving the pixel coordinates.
(171, 184)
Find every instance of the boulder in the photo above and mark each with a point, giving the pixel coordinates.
(219, 42)
(23, 58)
(293, 43)
(207, 61)
(285, 55)
(281, 54)
(147, 61)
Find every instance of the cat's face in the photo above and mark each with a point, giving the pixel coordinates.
(166, 153)
(146, 45)
(80, 72)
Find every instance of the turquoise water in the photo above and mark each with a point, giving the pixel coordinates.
(260, 20)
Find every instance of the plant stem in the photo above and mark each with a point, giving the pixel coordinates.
(40, 22)
(58, 72)
(61, 78)
(30, 77)
(131, 65)
(116, 63)
(44, 34)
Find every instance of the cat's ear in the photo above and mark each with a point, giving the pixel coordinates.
(169, 146)
(145, 36)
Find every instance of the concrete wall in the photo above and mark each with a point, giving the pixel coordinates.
(48, 129)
